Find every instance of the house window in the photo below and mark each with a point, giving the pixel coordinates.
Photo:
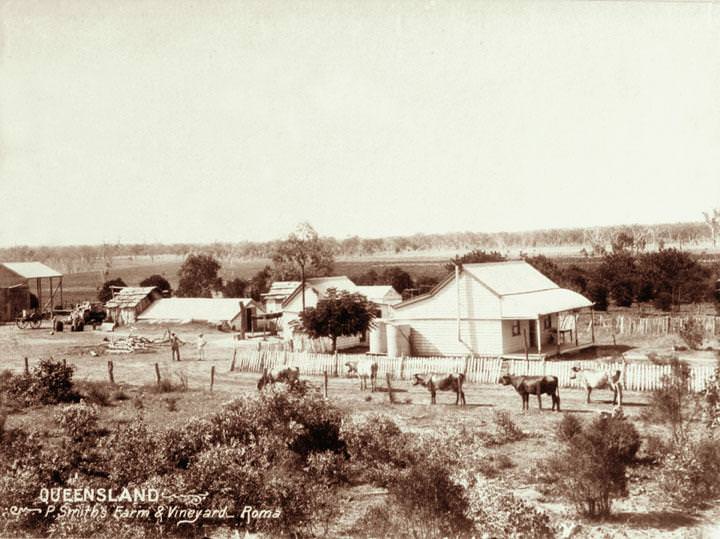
(547, 322)
(516, 328)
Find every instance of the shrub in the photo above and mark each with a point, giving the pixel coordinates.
(655, 449)
(675, 404)
(50, 382)
(690, 475)
(569, 426)
(591, 470)
(96, 393)
(130, 454)
(78, 421)
(171, 403)
(692, 332)
(663, 301)
(506, 429)
(120, 395)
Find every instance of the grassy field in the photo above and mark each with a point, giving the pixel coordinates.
(640, 515)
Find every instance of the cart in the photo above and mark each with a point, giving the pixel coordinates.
(29, 320)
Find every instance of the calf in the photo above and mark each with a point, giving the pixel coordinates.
(593, 379)
(288, 375)
(534, 385)
(442, 382)
(365, 369)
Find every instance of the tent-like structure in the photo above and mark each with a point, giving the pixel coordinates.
(233, 313)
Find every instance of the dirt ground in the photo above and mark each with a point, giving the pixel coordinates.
(639, 515)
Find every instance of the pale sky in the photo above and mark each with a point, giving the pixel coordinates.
(193, 121)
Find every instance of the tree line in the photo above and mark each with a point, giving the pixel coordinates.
(590, 242)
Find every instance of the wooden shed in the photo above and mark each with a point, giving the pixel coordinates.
(129, 302)
(18, 280)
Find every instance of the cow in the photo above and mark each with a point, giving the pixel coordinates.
(288, 375)
(365, 369)
(599, 379)
(442, 382)
(534, 385)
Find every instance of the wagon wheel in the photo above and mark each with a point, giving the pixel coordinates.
(35, 323)
(22, 324)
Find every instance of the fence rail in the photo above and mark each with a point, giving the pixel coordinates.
(478, 370)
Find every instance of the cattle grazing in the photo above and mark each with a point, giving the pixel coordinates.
(597, 379)
(442, 382)
(288, 375)
(534, 385)
(365, 370)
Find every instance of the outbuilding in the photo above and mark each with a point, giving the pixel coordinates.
(505, 309)
(129, 302)
(16, 285)
(237, 314)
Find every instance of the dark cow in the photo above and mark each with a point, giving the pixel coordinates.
(534, 385)
(288, 375)
(442, 382)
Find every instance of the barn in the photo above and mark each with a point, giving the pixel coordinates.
(500, 309)
(16, 280)
(238, 314)
(128, 302)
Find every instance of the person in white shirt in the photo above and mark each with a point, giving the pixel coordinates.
(201, 343)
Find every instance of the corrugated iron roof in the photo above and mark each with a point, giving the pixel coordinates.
(31, 270)
(322, 284)
(514, 277)
(186, 310)
(129, 296)
(530, 305)
(381, 294)
(281, 288)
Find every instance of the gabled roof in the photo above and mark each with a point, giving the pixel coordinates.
(322, 284)
(129, 296)
(186, 310)
(31, 270)
(379, 293)
(524, 292)
(281, 289)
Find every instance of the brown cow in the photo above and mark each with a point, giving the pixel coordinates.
(288, 375)
(534, 385)
(442, 382)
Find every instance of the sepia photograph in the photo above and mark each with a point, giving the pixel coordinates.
(359, 269)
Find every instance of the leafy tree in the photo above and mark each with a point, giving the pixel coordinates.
(398, 278)
(476, 256)
(260, 283)
(599, 296)
(235, 288)
(674, 273)
(105, 293)
(303, 254)
(370, 277)
(338, 315)
(158, 281)
(577, 278)
(618, 273)
(547, 267)
(199, 277)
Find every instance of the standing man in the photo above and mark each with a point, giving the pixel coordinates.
(201, 343)
(175, 346)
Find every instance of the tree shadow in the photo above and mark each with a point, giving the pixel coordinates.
(659, 520)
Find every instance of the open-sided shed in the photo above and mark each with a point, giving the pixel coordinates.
(16, 286)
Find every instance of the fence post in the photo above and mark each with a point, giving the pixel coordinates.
(27, 366)
(325, 382)
(212, 377)
(157, 373)
(110, 372)
(232, 365)
(391, 395)
(335, 362)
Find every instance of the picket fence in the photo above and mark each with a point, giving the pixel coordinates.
(478, 370)
(650, 325)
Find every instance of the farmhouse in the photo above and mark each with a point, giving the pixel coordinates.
(128, 302)
(500, 308)
(384, 296)
(15, 288)
(237, 314)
